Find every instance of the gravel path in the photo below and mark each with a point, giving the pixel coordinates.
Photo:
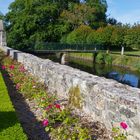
(26, 112)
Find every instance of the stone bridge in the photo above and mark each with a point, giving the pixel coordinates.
(104, 100)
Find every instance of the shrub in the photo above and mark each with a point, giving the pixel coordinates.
(100, 58)
(79, 35)
(108, 59)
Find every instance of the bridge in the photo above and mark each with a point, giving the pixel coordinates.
(62, 50)
(55, 48)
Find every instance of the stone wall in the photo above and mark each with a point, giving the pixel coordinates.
(105, 100)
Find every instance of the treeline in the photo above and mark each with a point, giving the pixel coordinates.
(29, 22)
(33, 21)
(111, 37)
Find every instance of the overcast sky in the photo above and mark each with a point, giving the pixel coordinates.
(125, 11)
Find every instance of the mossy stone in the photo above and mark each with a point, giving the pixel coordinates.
(75, 99)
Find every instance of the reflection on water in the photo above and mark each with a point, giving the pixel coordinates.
(119, 74)
(129, 79)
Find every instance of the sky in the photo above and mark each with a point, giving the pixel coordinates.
(125, 11)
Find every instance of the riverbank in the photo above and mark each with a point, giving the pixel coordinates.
(129, 62)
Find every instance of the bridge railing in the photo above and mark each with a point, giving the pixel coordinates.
(61, 46)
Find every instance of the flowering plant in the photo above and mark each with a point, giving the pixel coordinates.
(118, 134)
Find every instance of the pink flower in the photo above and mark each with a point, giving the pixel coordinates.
(3, 67)
(11, 75)
(49, 107)
(17, 86)
(124, 125)
(45, 122)
(21, 69)
(57, 106)
(12, 67)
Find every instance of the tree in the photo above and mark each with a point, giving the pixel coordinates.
(88, 12)
(79, 35)
(111, 21)
(132, 37)
(117, 38)
(80, 14)
(101, 36)
(100, 7)
(35, 21)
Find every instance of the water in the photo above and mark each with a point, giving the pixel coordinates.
(120, 74)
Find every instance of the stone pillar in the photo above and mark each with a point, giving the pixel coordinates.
(2, 35)
(122, 51)
(0, 38)
(63, 58)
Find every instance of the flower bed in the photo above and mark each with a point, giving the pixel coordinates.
(9, 124)
(57, 117)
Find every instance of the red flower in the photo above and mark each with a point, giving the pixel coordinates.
(45, 122)
(12, 67)
(57, 106)
(3, 67)
(123, 125)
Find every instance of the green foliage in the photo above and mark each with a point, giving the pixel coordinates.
(108, 59)
(30, 22)
(118, 135)
(37, 21)
(99, 18)
(100, 58)
(10, 128)
(79, 35)
(101, 36)
(103, 58)
(78, 14)
(132, 37)
(68, 131)
(64, 39)
(117, 38)
(137, 66)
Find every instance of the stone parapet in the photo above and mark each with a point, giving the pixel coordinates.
(103, 99)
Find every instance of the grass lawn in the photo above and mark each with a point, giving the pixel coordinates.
(129, 52)
(10, 128)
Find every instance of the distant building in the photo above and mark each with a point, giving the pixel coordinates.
(2, 34)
